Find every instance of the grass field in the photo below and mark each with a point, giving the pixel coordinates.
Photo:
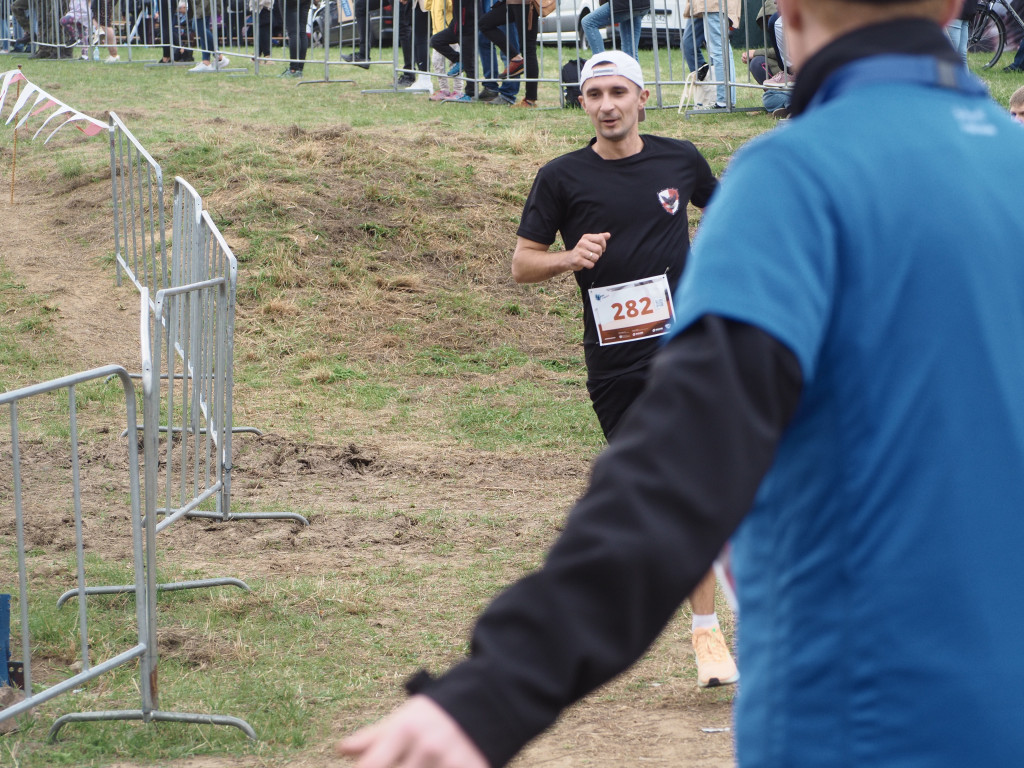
(427, 414)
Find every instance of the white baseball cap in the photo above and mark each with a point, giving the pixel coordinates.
(612, 63)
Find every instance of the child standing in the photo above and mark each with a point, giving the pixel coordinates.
(77, 23)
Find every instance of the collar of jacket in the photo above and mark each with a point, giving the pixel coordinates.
(919, 37)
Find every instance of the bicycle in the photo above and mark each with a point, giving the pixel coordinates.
(986, 30)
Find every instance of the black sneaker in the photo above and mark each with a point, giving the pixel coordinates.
(351, 60)
(406, 79)
(1013, 68)
(489, 96)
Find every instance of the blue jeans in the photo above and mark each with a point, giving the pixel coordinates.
(957, 32)
(1018, 60)
(713, 34)
(204, 36)
(775, 98)
(602, 16)
(490, 66)
(693, 41)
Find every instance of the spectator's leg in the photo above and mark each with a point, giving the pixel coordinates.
(592, 24)
(420, 38)
(629, 32)
(718, 48)
(758, 67)
(264, 23)
(956, 30)
(443, 41)
(693, 41)
(528, 34)
(167, 10)
(361, 11)
(465, 11)
(295, 23)
(492, 26)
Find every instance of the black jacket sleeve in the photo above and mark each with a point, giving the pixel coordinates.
(675, 482)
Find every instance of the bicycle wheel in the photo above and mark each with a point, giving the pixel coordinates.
(986, 35)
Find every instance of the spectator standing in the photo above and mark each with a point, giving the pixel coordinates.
(461, 31)
(719, 47)
(840, 399)
(441, 17)
(627, 14)
(295, 13)
(493, 61)
(497, 26)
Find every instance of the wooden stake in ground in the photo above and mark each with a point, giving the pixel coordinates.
(14, 154)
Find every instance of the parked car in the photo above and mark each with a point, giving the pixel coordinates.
(325, 20)
(665, 18)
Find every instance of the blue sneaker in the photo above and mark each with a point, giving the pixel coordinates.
(463, 99)
(456, 69)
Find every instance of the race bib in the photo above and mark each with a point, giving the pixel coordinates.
(641, 309)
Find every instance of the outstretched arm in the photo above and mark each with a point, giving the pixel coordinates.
(675, 482)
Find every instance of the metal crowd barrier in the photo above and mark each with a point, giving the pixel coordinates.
(143, 648)
(144, 529)
(193, 352)
(137, 188)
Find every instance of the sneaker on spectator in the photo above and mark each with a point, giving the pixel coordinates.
(513, 69)
(203, 66)
(291, 73)
(488, 95)
(115, 59)
(352, 60)
(223, 61)
(780, 79)
(441, 95)
(782, 113)
(714, 662)
(456, 69)
(83, 57)
(421, 84)
(463, 99)
(406, 79)
(529, 104)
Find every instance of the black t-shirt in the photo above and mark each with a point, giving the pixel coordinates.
(641, 200)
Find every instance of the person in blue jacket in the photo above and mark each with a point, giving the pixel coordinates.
(841, 397)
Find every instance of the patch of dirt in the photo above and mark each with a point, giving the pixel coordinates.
(96, 323)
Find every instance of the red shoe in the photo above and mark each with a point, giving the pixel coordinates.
(513, 69)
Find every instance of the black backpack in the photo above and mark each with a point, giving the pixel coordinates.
(571, 82)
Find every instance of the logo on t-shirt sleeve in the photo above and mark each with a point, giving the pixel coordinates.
(669, 199)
